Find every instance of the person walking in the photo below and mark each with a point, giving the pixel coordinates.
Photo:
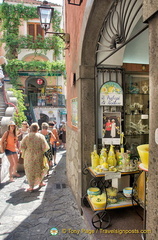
(63, 129)
(23, 131)
(11, 151)
(54, 140)
(48, 135)
(33, 147)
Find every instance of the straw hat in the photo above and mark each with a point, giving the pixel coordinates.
(11, 123)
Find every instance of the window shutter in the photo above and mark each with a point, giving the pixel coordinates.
(31, 30)
(39, 30)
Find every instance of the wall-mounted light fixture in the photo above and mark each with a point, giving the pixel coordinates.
(75, 2)
(45, 12)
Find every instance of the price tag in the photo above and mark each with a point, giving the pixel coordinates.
(112, 175)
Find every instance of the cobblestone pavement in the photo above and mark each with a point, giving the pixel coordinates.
(31, 216)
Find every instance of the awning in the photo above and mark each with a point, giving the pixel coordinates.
(38, 74)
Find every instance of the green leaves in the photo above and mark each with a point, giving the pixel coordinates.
(19, 116)
(11, 16)
(16, 65)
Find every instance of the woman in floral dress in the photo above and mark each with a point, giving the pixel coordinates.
(33, 147)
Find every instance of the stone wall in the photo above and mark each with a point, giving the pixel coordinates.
(73, 163)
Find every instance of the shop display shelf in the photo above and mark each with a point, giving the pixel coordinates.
(122, 202)
(101, 218)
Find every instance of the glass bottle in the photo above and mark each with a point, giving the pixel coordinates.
(94, 158)
(103, 155)
(111, 157)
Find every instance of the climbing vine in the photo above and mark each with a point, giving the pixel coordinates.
(12, 16)
(38, 66)
(19, 116)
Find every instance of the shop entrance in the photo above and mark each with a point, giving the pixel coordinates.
(35, 87)
(123, 47)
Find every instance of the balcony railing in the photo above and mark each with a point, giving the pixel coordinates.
(50, 99)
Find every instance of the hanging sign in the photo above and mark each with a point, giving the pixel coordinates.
(111, 94)
(39, 81)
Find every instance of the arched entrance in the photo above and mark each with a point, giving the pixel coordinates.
(34, 87)
(91, 62)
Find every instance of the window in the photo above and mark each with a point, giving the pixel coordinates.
(34, 29)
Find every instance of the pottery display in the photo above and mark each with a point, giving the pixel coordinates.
(143, 151)
(93, 191)
(128, 192)
(99, 201)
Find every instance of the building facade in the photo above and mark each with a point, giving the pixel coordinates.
(45, 90)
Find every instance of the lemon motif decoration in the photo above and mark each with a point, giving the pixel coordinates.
(111, 93)
(111, 89)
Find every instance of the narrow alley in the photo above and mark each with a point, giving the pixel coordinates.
(48, 213)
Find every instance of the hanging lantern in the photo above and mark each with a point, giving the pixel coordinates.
(39, 81)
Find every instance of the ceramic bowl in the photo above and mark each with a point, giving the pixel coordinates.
(99, 201)
(127, 192)
(93, 191)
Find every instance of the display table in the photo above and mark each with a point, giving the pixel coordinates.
(101, 217)
(98, 179)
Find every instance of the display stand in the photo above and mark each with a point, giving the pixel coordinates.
(101, 217)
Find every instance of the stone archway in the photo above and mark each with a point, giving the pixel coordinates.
(86, 82)
(32, 80)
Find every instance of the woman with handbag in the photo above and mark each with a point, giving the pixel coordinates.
(9, 144)
(48, 136)
(33, 147)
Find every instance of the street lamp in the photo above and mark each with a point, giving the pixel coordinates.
(45, 13)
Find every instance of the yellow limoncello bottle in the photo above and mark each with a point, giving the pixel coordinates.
(94, 158)
(121, 142)
(111, 157)
(103, 155)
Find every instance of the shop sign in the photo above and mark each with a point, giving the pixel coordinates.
(111, 94)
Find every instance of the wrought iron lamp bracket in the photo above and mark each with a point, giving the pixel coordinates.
(64, 36)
